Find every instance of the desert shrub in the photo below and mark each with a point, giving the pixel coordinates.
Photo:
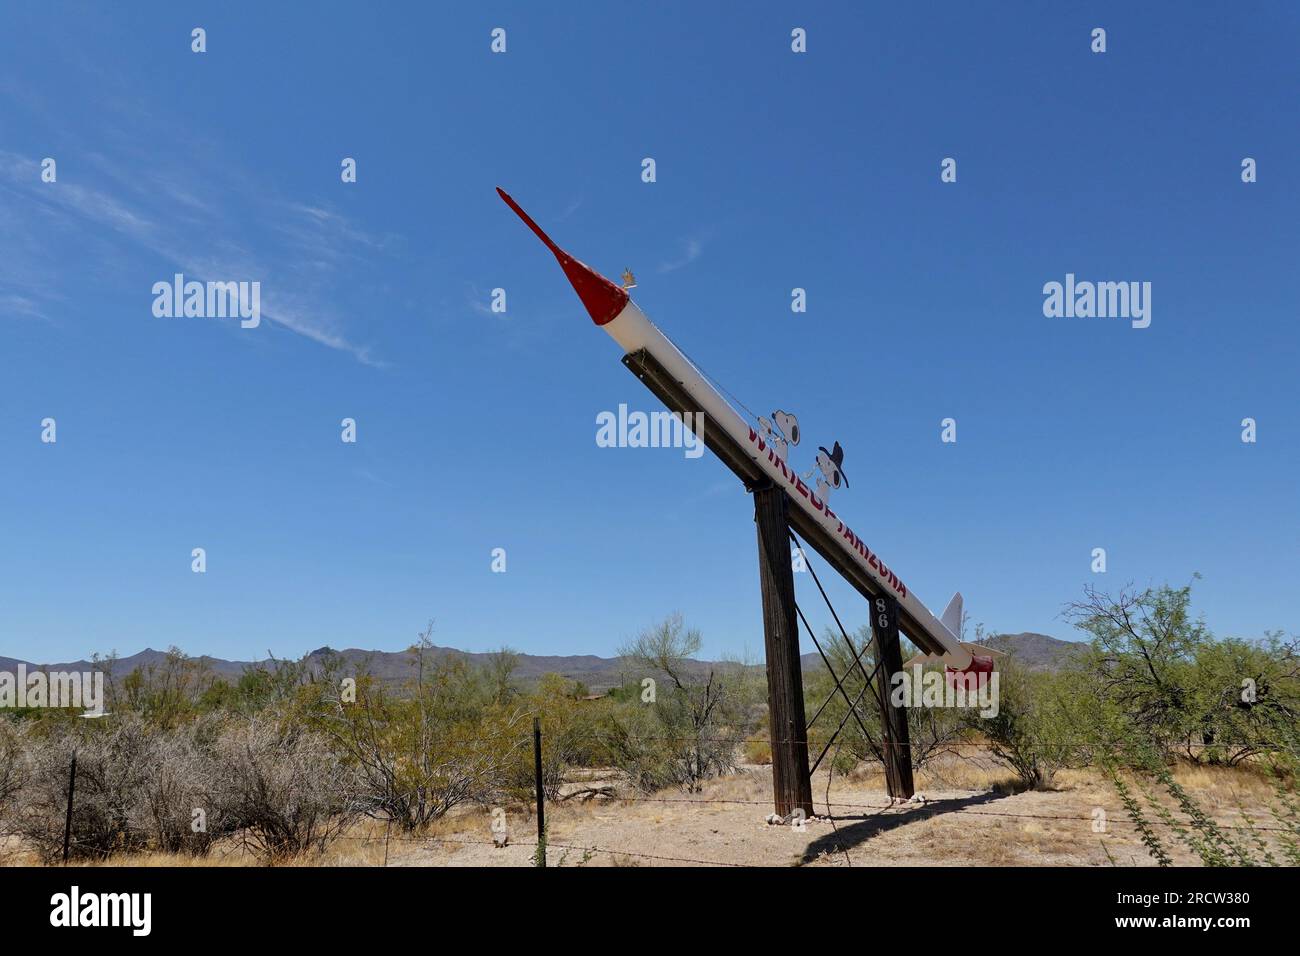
(1168, 682)
(284, 786)
(179, 806)
(634, 737)
(1142, 653)
(137, 787)
(11, 770)
(276, 686)
(498, 672)
(571, 737)
(935, 731)
(757, 750)
(145, 780)
(1245, 700)
(112, 766)
(691, 729)
(450, 740)
(165, 692)
(1030, 730)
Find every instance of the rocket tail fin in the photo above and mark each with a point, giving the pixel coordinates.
(951, 618)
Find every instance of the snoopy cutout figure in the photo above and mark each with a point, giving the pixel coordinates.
(830, 464)
(781, 435)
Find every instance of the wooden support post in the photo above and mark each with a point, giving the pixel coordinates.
(896, 742)
(792, 787)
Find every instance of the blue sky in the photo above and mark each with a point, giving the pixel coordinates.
(476, 430)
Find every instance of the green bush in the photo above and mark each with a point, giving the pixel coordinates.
(451, 739)
(691, 727)
(1031, 730)
(1161, 678)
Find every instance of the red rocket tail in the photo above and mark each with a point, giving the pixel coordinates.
(603, 299)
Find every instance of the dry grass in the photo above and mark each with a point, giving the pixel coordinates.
(757, 752)
(362, 845)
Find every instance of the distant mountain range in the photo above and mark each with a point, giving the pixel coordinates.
(597, 672)
(1037, 651)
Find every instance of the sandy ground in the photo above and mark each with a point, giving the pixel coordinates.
(971, 816)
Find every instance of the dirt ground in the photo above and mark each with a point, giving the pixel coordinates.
(971, 815)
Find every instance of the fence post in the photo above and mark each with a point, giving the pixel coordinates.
(541, 793)
(67, 825)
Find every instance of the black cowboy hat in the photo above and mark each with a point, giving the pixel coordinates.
(837, 457)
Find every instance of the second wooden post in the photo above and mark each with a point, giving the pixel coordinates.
(792, 787)
(896, 742)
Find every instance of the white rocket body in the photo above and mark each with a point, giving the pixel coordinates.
(632, 330)
(612, 309)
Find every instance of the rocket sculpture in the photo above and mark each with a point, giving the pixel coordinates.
(612, 310)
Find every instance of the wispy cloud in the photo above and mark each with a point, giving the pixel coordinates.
(21, 305)
(370, 476)
(692, 249)
(202, 218)
(722, 487)
(569, 210)
(477, 302)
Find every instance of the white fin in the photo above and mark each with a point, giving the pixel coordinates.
(952, 616)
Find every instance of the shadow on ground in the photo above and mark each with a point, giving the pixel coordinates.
(855, 834)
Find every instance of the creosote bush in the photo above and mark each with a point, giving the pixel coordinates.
(11, 771)
(179, 789)
(284, 786)
(113, 766)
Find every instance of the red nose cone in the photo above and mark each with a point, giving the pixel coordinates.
(974, 676)
(603, 299)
